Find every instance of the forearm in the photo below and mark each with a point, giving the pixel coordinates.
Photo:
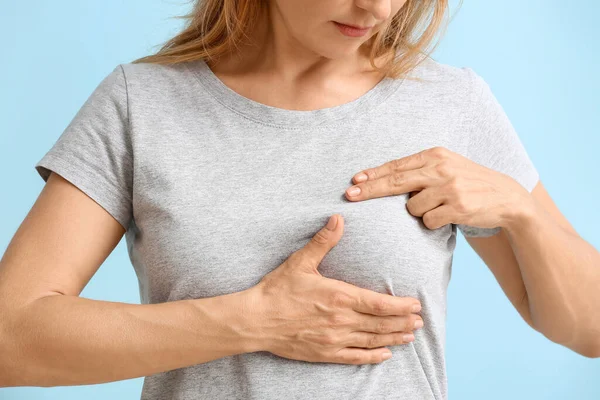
(63, 340)
(561, 273)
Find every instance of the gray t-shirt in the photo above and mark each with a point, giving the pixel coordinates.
(216, 190)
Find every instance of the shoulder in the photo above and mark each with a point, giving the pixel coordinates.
(435, 78)
(156, 81)
(432, 70)
(144, 70)
(158, 75)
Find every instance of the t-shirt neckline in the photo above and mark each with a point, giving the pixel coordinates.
(282, 117)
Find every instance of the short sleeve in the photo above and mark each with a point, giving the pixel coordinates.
(494, 143)
(94, 151)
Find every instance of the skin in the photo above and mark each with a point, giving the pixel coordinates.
(549, 273)
(47, 329)
(301, 61)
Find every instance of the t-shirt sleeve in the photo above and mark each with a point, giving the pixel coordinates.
(94, 151)
(494, 143)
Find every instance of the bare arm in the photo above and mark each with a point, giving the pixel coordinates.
(70, 340)
(49, 336)
(550, 274)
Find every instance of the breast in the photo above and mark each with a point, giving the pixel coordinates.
(208, 235)
(216, 211)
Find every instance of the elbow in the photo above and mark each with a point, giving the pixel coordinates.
(586, 349)
(587, 340)
(592, 350)
(8, 377)
(17, 348)
(13, 350)
(582, 336)
(595, 354)
(586, 344)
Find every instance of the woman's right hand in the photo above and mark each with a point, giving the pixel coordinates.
(303, 315)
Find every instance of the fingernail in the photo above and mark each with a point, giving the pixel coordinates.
(386, 356)
(353, 191)
(361, 177)
(409, 337)
(416, 308)
(332, 223)
(418, 323)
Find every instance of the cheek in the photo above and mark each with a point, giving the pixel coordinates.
(300, 14)
(397, 5)
(304, 23)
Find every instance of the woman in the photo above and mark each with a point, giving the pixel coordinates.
(222, 157)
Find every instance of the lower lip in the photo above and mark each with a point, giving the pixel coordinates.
(350, 31)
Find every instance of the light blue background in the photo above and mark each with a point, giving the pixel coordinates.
(540, 58)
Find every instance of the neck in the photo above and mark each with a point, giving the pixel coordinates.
(274, 51)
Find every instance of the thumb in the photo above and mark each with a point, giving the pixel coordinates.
(320, 244)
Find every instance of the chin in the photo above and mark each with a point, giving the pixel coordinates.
(337, 49)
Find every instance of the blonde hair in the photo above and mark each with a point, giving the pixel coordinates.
(216, 27)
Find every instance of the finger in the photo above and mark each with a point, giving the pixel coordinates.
(388, 324)
(413, 161)
(351, 355)
(438, 217)
(392, 184)
(320, 244)
(374, 303)
(425, 200)
(374, 340)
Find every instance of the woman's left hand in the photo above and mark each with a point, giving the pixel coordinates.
(445, 188)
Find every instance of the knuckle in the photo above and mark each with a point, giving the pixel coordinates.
(339, 299)
(338, 320)
(384, 326)
(428, 220)
(373, 341)
(321, 237)
(372, 174)
(381, 305)
(328, 339)
(349, 358)
(455, 183)
(443, 168)
(397, 164)
(409, 322)
(356, 359)
(439, 152)
(461, 205)
(395, 179)
(411, 206)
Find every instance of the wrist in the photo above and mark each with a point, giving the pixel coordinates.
(234, 316)
(248, 316)
(520, 214)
